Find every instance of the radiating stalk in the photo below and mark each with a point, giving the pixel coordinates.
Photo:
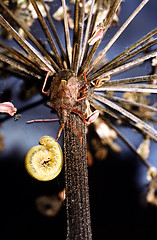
(125, 66)
(117, 82)
(47, 33)
(144, 126)
(128, 143)
(19, 56)
(32, 38)
(115, 37)
(27, 46)
(67, 35)
(19, 65)
(86, 36)
(107, 23)
(78, 40)
(54, 30)
(133, 103)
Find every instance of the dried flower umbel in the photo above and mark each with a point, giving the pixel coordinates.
(100, 90)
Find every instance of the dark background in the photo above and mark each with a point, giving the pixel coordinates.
(117, 185)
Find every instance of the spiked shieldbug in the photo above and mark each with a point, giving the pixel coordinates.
(63, 95)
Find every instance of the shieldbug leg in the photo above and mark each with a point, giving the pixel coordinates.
(76, 131)
(45, 81)
(42, 120)
(86, 83)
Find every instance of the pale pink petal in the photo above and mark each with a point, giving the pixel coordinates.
(98, 34)
(92, 117)
(7, 107)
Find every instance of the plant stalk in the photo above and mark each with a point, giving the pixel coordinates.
(76, 180)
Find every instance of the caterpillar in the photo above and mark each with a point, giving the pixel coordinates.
(45, 161)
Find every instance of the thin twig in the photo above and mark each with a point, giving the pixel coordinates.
(67, 35)
(19, 56)
(115, 37)
(86, 36)
(27, 46)
(47, 33)
(129, 144)
(127, 51)
(19, 65)
(117, 82)
(137, 104)
(144, 126)
(107, 23)
(54, 30)
(125, 66)
(133, 53)
(37, 44)
(78, 40)
(143, 88)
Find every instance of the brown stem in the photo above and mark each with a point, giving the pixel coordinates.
(76, 180)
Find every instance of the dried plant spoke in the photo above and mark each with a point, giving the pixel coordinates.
(129, 88)
(47, 33)
(19, 56)
(27, 46)
(124, 66)
(54, 30)
(106, 25)
(19, 65)
(86, 36)
(137, 104)
(37, 44)
(115, 37)
(73, 91)
(129, 144)
(150, 131)
(67, 35)
(78, 40)
(125, 53)
(148, 78)
(133, 53)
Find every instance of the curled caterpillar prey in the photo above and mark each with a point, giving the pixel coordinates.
(44, 162)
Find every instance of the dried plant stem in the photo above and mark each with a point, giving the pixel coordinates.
(143, 126)
(115, 37)
(107, 24)
(27, 46)
(19, 56)
(118, 82)
(79, 34)
(128, 143)
(131, 103)
(47, 33)
(125, 66)
(133, 53)
(20, 66)
(86, 36)
(125, 53)
(76, 180)
(67, 35)
(33, 39)
(144, 88)
(76, 19)
(54, 30)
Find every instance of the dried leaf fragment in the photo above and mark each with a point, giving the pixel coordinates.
(151, 173)
(144, 148)
(7, 107)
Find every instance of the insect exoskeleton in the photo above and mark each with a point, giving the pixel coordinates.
(45, 161)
